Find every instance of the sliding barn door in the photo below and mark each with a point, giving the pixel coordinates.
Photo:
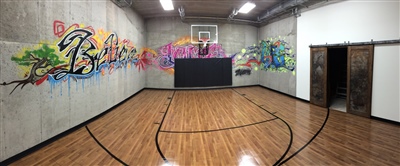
(359, 80)
(318, 76)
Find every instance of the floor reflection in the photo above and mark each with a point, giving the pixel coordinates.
(247, 160)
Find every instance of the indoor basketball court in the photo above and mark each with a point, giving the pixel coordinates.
(200, 82)
(231, 126)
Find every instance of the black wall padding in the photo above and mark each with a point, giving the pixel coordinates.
(203, 72)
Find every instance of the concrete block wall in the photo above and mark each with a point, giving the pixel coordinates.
(232, 38)
(161, 31)
(1, 112)
(35, 113)
(284, 30)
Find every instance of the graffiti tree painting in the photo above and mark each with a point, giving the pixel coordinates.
(79, 53)
(41, 62)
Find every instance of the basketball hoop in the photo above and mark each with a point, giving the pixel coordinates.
(203, 47)
(204, 41)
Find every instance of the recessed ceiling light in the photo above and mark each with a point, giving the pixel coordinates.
(167, 4)
(247, 7)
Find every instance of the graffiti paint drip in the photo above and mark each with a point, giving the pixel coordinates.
(79, 53)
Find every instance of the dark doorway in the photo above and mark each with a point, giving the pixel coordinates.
(337, 78)
(341, 78)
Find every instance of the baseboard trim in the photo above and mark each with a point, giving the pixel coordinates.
(203, 88)
(63, 134)
(225, 87)
(385, 120)
(284, 94)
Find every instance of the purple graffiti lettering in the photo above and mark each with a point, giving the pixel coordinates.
(180, 52)
(166, 50)
(168, 53)
(193, 51)
(165, 62)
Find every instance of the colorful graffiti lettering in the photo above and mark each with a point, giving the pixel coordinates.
(190, 51)
(273, 55)
(276, 55)
(246, 60)
(241, 72)
(145, 58)
(79, 53)
(165, 57)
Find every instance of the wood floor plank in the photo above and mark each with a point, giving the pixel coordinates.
(224, 127)
(345, 140)
(129, 131)
(226, 147)
(220, 109)
(211, 109)
(77, 148)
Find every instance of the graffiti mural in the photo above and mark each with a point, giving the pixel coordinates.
(241, 72)
(164, 57)
(274, 55)
(145, 58)
(246, 60)
(277, 55)
(79, 53)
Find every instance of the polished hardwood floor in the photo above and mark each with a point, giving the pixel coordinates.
(239, 126)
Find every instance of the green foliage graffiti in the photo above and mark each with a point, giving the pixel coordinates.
(40, 62)
(45, 53)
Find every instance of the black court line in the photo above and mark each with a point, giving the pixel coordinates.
(305, 145)
(159, 128)
(229, 128)
(316, 134)
(101, 145)
(290, 129)
(63, 134)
